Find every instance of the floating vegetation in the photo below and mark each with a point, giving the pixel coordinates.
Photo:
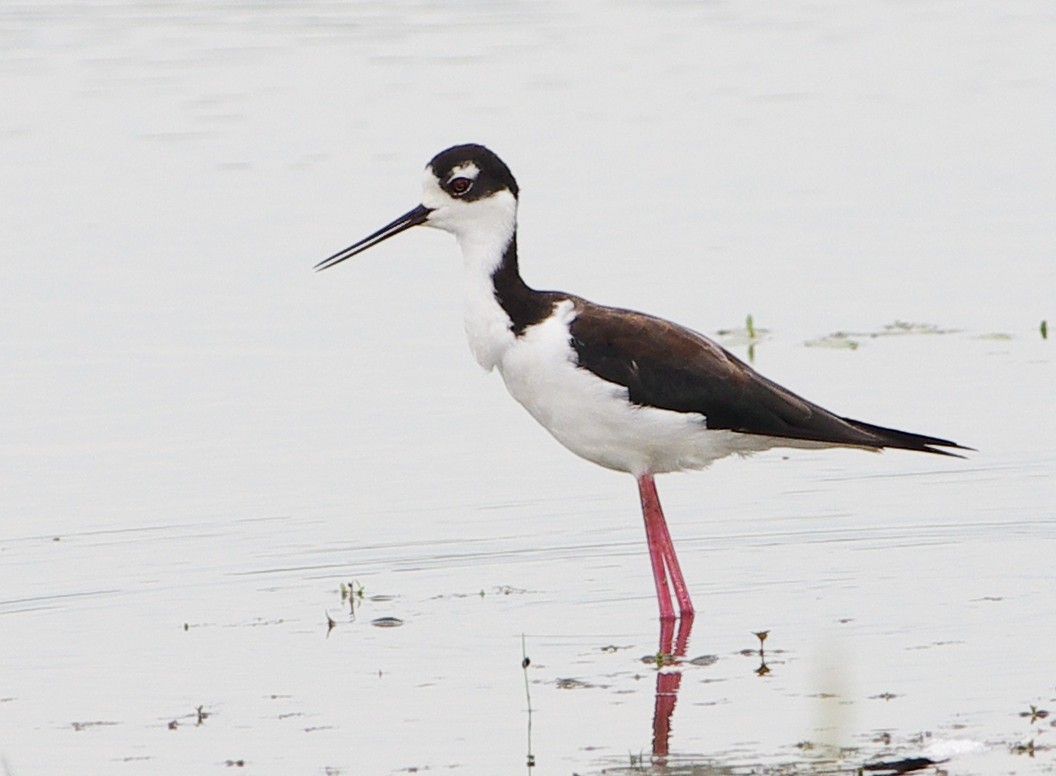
(573, 684)
(1027, 749)
(906, 327)
(351, 591)
(848, 340)
(900, 329)
(508, 590)
(200, 716)
(79, 726)
(704, 660)
(1035, 713)
(743, 336)
(660, 659)
(1044, 328)
(749, 336)
(840, 340)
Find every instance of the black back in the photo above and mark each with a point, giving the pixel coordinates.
(670, 367)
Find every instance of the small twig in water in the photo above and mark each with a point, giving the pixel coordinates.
(763, 668)
(525, 662)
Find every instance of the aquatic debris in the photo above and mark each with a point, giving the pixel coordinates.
(907, 765)
(386, 622)
(704, 660)
(763, 668)
(78, 726)
(743, 336)
(203, 715)
(1035, 713)
(508, 590)
(661, 659)
(905, 327)
(848, 340)
(574, 684)
(839, 339)
(351, 591)
(1028, 748)
(750, 335)
(525, 662)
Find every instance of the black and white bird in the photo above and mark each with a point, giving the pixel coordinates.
(626, 390)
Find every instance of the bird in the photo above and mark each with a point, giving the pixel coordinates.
(623, 389)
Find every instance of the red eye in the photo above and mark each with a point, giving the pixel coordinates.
(460, 186)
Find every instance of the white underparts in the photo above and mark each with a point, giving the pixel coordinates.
(592, 417)
(595, 419)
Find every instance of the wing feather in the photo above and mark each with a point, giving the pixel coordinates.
(670, 367)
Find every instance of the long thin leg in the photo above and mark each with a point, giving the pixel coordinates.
(654, 536)
(678, 582)
(662, 552)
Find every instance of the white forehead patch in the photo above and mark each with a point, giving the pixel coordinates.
(467, 170)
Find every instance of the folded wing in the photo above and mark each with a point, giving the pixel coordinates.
(667, 366)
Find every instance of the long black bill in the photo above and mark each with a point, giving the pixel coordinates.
(412, 218)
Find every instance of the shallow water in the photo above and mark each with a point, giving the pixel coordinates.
(203, 441)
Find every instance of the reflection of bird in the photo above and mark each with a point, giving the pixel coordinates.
(625, 390)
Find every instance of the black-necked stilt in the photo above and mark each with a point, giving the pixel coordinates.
(625, 390)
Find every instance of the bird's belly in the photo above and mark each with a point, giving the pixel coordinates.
(595, 419)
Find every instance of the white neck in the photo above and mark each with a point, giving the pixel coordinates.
(484, 241)
(484, 229)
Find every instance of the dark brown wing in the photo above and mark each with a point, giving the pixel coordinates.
(667, 366)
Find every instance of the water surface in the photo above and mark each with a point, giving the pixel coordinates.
(202, 441)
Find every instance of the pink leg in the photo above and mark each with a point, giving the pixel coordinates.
(662, 553)
(651, 507)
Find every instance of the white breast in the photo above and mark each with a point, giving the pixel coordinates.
(486, 323)
(594, 418)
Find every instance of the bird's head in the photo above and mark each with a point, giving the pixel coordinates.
(467, 191)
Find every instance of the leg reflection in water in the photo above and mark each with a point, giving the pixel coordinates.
(668, 678)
